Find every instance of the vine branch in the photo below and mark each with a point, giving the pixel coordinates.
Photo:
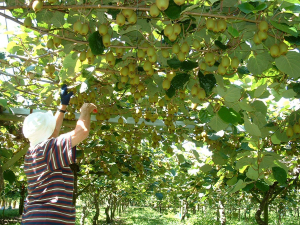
(67, 7)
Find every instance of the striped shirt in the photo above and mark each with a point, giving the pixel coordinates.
(50, 182)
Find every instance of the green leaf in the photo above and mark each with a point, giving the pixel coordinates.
(267, 162)
(293, 40)
(221, 45)
(196, 154)
(174, 63)
(232, 181)
(9, 176)
(218, 159)
(3, 102)
(58, 19)
(239, 185)
(96, 44)
(234, 32)
(259, 63)
(5, 153)
(289, 94)
(252, 173)
(180, 80)
(173, 11)
(285, 28)
(207, 82)
(171, 92)
(246, 7)
(279, 174)
(243, 162)
(2, 55)
(203, 116)
(296, 88)
(289, 64)
(251, 128)
(233, 94)
(79, 154)
(188, 65)
(113, 12)
(260, 7)
(260, 90)
(217, 124)
(293, 8)
(180, 158)
(243, 70)
(159, 196)
(206, 168)
(248, 187)
(261, 185)
(229, 115)
(44, 16)
(69, 61)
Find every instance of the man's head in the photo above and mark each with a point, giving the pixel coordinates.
(38, 127)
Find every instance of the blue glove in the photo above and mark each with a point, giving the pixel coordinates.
(64, 95)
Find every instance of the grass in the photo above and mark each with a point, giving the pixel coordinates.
(148, 216)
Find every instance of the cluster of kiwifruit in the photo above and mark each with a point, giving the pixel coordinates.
(128, 14)
(262, 33)
(210, 59)
(106, 37)
(216, 25)
(181, 51)
(81, 28)
(198, 92)
(53, 42)
(162, 5)
(278, 50)
(129, 71)
(103, 114)
(87, 55)
(166, 84)
(291, 130)
(111, 58)
(172, 31)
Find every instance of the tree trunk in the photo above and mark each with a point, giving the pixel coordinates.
(160, 207)
(83, 215)
(222, 213)
(96, 203)
(185, 210)
(21, 204)
(108, 220)
(218, 214)
(1, 180)
(266, 213)
(279, 216)
(113, 210)
(75, 169)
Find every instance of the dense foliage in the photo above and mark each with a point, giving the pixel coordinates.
(223, 75)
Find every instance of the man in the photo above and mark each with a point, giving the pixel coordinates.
(50, 179)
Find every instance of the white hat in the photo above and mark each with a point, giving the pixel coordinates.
(38, 127)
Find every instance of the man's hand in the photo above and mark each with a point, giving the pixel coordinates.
(64, 95)
(88, 108)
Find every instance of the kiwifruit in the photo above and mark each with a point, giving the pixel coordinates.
(154, 11)
(162, 4)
